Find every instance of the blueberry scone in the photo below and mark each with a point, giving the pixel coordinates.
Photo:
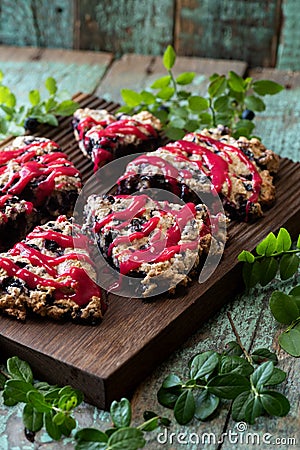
(103, 137)
(200, 163)
(44, 275)
(161, 243)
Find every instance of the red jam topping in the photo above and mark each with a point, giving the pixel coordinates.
(86, 124)
(25, 153)
(7, 197)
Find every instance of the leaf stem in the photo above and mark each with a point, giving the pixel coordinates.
(2, 372)
(292, 325)
(173, 82)
(297, 250)
(248, 357)
(212, 112)
(147, 422)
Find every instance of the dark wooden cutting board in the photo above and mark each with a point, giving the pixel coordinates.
(107, 361)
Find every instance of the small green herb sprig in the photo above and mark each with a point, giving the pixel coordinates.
(230, 101)
(233, 375)
(44, 405)
(272, 255)
(122, 435)
(15, 120)
(51, 407)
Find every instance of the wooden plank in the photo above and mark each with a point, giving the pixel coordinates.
(122, 26)
(38, 23)
(146, 69)
(68, 353)
(279, 124)
(288, 50)
(233, 29)
(27, 68)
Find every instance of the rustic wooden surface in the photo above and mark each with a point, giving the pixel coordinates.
(280, 127)
(261, 33)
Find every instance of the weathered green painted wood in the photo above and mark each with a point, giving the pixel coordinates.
(234, 29)
(37, 22)
(74, 71)
(146, 69)
(289, 49)
(140, 26)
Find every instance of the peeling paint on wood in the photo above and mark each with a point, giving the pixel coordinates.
(233, 29)
(123, 26)
(289, 48)
(37, 22)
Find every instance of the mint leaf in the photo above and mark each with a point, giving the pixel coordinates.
(166, 93)
(268, 268)
(174, 133)
(246, 256)
(52, 429)
(17, 390)
(168, 397)
(274, 403)
(203, 364)
(277, 377)
(246, 407)
(222, 104)
(266, 87)
(290, 341)
(235, 364)
(32, 419)
(169, 57)
(233, 348)
(161, 82)
(298, 242)
(121, 413)
(288, 266)
(251, 274)
(90, 435)
(283, 307)
(197, 103)
(38, 402)
(184, 408)
(66, 108)
(51, 85)
(19, 369)
(235, 82)
(205, 405)
(185, 78)
(126, 439)
(171, 381)
(262, 374)
(130, 97)
(228, 386)
(217, 86)
(261, 355)
(34, 97)
(284, 241)
(255, 103)
(147, 97)
(267, 246)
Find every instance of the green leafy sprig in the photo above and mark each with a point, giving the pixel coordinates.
(15, 120)
(272, 255)
(230, 101)
(122, 435)
(233, 375)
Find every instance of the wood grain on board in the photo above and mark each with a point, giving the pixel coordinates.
(107, 361)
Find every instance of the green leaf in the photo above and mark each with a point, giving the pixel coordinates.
(38, 402)
(152, 421)
(66, 108)
(147, 97)
(246, 407)
(59, 418)
(2, 380)
(236, 83)
(174, 133)
(254, 103)
(246, 256)
(205, 405)
(167, 397)
(32, 419)
(203, 364)
(4, 94)
(197, 103)
(161, 82)
(235, 364)
(222, 103)
(184, 408)
(261, 355)
(177, 122)
(274, 403)
(205, 118)
(217, 86)
(243, 128)
(228, 386)
(130, 97)
(171, 381)
(298, 242)
(165, 93)
(121, 413)
(284, 241)
(185, 78)
(90, 435)
(288, 266)
(126, 439)
(277, 377)
(169, 57)
(17, 390)
(68, 425)
(251, 274)
(125, 109)
(283, 307)
(47, 118)
(51, 85)
(295, 291)
(262, 374)
(232, 348)
(268, 270)
(1, 76)
(52, 429)
(34, 97)
(290, 341)
(19, 369)
(267, 246)
(266, 87)
(191, 125)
